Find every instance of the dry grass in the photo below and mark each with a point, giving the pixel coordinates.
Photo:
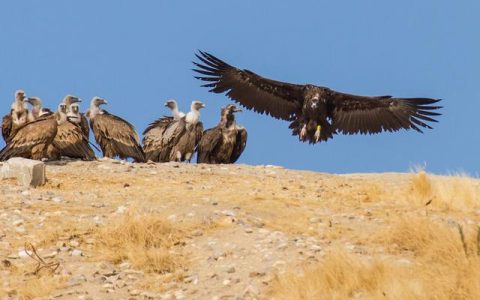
(437, 268)
(24, 285)
(458, 192)
(147, 242)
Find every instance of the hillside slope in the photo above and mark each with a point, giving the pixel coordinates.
(116, 230)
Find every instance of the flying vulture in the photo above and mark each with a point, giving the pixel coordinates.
(115, 136)
(70, 140)
(316, 113)
(224, 143)
(32, 139)
(180, 137)
(152, 136)
(18, 116)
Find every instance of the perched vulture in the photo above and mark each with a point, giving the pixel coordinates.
(181, 136)
(152, 136)
(78, 118)
(32, 139)
(115, 136)
(70, 140)
(316, 113)
(36, 104)
(17, 117)
(224, 143)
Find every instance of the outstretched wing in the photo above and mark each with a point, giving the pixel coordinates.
(240, 144)
(279, 99)
(210, 139)
(353, 114)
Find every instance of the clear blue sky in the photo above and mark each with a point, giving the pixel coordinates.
(137, 54)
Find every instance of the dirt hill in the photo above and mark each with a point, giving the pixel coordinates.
(116, 230)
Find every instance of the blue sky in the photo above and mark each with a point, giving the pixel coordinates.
(137, 54)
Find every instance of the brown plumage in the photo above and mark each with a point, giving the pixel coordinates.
(115, 136)
(316, 113)
(32, 139)
(224, 143)
(70, 140)
(152, 135)
(79, 118)
(180, 137)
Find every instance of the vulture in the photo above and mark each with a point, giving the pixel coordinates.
(72, 104)
(32, 139)
(224, 143)
(70, 140)
(180, 137)
(152, 136)
(315, 113)
(115, 136)
(18, 116)
(36, 104)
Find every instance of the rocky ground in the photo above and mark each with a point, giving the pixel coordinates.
(241, 227)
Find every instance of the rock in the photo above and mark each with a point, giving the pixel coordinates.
(28, 172)
(226, 282)
(22, 254)
(76, 280)
(134, 292)
(77, 252)
(230, 269)
(121, 209)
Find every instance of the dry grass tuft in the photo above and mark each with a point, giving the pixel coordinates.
(22, 284)
(147, 242)
(438, 268)
(458, 192)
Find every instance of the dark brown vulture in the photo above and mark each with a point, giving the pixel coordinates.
(115, 136)
(70, 140)
(316, 113)
(18, 116)
(152, 136)
(224, 143)
(181, 136)
(32, 139)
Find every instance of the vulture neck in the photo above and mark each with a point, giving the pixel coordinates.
(177, 114)
(36, 110)
(61, 118)
(227, 121)
(18, 105)
(193, 116)
(95, 110)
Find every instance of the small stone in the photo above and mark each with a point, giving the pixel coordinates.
(315, 248)
(248, 230)
(134, 292)
(76, 280)
(230, 269)
(23, 254)
(226, 282)
(315, 220)
(17, 222)
(179, 295)
(121, 210)
(57, 199)
(109, 286)
(74, 243)
(124, 265)
(77, 252)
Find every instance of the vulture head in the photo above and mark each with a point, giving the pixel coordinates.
(73, 114)
(34, 101)
(172, 104)
(97, 101)
(70, 99)
(61, 113)
(197, 105)
(232, 108)
(20, 95)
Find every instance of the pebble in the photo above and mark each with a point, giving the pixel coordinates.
(134, 292)
(18, 222)
(77, 252)
(226, 282)
(22, 254)
(121, 210)
(230, 269)
(248, 230)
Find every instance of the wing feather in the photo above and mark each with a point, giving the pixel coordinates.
(279, 99)
(353, 114)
